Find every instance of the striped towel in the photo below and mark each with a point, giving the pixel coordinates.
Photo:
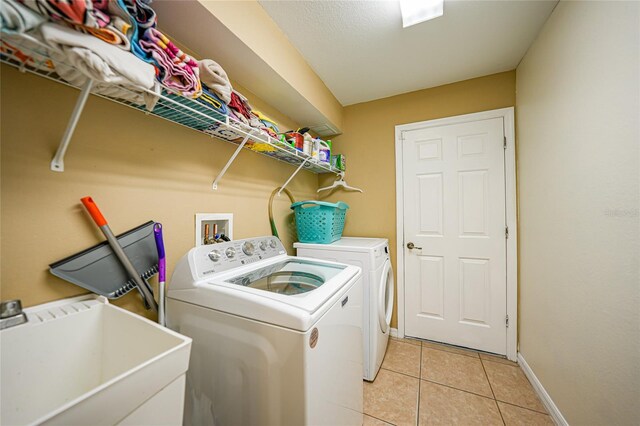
(79, 12)
(174, 68)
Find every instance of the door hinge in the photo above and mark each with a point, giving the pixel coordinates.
(506, 232)
(506, 321)
(505, 143)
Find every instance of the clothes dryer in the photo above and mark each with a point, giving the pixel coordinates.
(372, 255)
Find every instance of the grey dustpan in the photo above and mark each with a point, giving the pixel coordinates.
(97, 269)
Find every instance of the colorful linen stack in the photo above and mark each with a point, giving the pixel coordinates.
(116, 44)
(174, 68)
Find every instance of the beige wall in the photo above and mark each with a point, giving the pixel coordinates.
(136, 167)
(368, 142)
(578, 139)
(253, 25)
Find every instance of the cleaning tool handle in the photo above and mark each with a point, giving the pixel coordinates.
(94, 211)
(157, 232)
(162, 270)
(143, 287)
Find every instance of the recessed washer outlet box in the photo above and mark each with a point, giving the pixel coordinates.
(223, 221)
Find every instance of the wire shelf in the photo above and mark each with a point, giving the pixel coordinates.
(31, 55)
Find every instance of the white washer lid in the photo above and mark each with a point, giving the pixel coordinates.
(346, 244)
(331, 276)
(298, 312)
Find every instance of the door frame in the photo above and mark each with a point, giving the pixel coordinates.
(507, 114)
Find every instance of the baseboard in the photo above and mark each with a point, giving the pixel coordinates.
(393, 332)
(551, 407)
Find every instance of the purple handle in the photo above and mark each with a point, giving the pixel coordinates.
(162, 269)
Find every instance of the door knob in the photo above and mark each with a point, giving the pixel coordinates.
(412, 246)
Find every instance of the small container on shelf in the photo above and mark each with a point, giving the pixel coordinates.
(296, 140)
(308, 144)
(324, 152)
(339, 161)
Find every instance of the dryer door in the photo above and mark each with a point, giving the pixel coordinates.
(385, 296)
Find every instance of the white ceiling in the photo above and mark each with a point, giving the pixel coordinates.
(361, 52)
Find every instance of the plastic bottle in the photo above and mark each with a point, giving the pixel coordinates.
(315, 151)
(308, 144)
(324, 152)
(339, 161)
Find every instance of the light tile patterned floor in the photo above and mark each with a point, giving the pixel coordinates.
(425, 383)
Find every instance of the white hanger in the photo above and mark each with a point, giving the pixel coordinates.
(340, 182)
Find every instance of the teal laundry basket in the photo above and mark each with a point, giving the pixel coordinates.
(318, 221)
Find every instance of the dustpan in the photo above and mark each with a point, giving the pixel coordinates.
(97, 269)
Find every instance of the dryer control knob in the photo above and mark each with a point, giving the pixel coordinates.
(214, 255)
(230, 252)
(272, 243)
(248, 248)
(263, 245)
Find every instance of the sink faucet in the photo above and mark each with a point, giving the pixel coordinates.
(11, 314)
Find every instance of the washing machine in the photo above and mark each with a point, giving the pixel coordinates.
(372, 255)
(277, 339)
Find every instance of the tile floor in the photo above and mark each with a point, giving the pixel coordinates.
(424, 383)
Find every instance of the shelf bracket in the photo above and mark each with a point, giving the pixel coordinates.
(226, 166)
(293, 175)
(57, 164)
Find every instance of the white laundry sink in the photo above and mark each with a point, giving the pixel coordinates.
(83, 361)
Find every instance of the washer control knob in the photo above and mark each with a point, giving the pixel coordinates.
(272, 243)
(230, 252)
(214, 255)
(248, 248)
(263, 245)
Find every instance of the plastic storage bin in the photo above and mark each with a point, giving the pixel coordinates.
(322, 223)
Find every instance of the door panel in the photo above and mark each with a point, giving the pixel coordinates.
(432, 286)
(454, 213)
(430, 194)
(475, 291)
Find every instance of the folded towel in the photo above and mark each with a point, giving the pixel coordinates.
(254, 121)
(240, 105)
(98, 60)
(266, 121)
(240, 120)
(102, 5)
(21, 40)
(79, 56)
(129, 13)
(143, 14)
(115, 33)
(174, 68)
(216, 79)
(16, 18)
(210, 99)
(73, 11)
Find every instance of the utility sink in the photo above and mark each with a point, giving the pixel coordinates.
(83, 361)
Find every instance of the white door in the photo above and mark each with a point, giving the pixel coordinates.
(454, 217)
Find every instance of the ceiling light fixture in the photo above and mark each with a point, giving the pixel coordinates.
(417, 11)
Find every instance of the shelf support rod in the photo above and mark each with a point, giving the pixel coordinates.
(292, 176)
(57, 164)
(226, 166)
